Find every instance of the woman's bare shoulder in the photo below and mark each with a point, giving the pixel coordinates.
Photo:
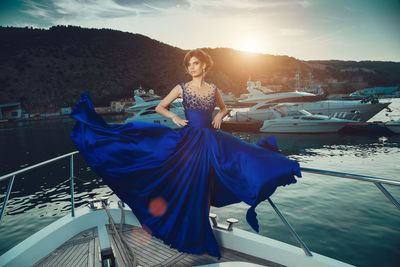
(179, 88)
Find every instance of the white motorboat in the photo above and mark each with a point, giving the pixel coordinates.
(146, 111)
(284, 118)
(347, 109)
(393, 126)
(90, 236)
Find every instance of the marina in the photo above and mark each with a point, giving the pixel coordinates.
(200, 133)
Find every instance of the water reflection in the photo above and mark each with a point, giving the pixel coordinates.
(307, 144)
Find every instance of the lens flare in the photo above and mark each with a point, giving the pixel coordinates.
(141, 236)
(157, 206)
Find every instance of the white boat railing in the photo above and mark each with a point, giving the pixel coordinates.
(13, 174)
(377, 181)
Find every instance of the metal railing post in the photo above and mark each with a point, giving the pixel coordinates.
(72, 184)
(292, 231)
(388, 195)
(3, 208)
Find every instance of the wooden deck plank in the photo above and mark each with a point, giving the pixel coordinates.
(64, 254)
(80, 256)
(173, 260)
(161, 247)
(74, 258)
(90, 258)
(143, 256)
(97, 259)
(70, 251)
(167, 251)
(120, 257)
(186, 262)
(82, 260)
(149, 253)
(200, 260)
(60, 255)
(75, 255)
(149, 249)
(141, 253)
(52, 257)
(143, 260)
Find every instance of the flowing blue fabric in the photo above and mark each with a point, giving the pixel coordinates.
(169, 176)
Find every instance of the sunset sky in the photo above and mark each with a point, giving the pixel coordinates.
(305, 29)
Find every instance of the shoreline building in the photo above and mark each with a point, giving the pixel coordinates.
(10, 111)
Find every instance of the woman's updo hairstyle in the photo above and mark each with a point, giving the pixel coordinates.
(201, 55)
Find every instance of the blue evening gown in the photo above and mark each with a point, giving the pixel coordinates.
(168, 176)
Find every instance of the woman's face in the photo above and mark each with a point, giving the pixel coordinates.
(195, 67)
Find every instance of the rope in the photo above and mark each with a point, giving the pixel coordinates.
(122, 242)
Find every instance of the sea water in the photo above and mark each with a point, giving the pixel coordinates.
(348, 220)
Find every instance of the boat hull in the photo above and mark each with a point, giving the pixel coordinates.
(303, 127)
(48, 239)
(340, 109)
(393, 127)
(349, 111)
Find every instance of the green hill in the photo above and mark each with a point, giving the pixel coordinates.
(48, 69)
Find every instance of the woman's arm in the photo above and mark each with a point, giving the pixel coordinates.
(162, 107)
(222, 110)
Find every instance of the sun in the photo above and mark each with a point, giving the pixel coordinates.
(250, 45)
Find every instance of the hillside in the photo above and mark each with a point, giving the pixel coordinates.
(47, 69)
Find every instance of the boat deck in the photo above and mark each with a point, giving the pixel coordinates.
(84, 250)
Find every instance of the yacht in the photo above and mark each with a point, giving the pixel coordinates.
(284, 118)
(361, 110)
(393, 126)
(146, 111)
(262, 111)
(258, 93)
(104, 233)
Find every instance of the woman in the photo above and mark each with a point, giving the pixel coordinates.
(168, 177)
(197, 63)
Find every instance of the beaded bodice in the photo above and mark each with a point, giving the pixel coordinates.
(199, 101)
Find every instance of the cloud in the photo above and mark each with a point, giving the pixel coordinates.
(292, 32)
(77, 11)
(247, 8)
(73, 11)
(153, 3)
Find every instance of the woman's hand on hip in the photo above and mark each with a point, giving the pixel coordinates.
(217, 121)
(178, 121)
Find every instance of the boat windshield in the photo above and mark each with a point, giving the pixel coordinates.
(294, 113)
(265, 106)
(287, 111)
(312, 118)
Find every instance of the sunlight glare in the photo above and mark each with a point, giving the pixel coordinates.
(250, 45)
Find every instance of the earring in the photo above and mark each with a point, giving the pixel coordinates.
(204, 70)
